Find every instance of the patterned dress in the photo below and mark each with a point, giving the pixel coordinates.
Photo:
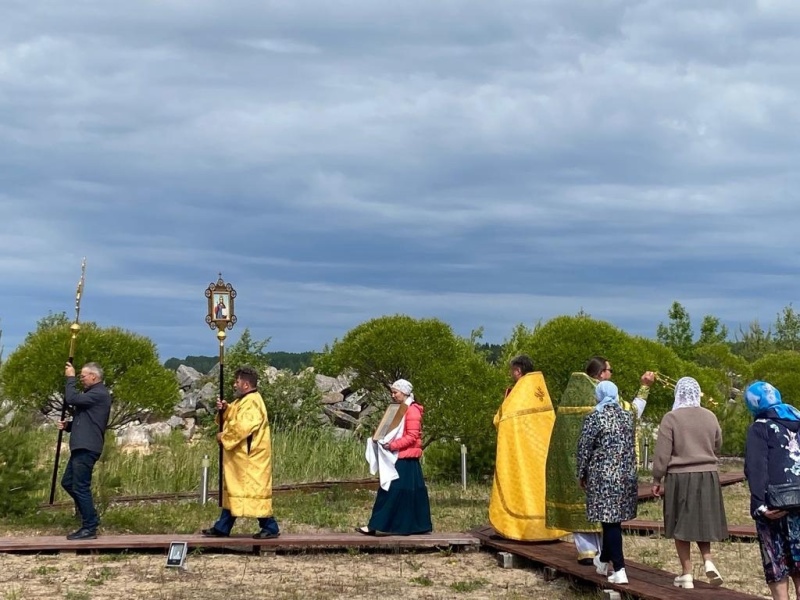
(607, 462)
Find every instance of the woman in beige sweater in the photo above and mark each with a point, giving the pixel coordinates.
(685, 471)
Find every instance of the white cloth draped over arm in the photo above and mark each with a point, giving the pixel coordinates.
(381, 460)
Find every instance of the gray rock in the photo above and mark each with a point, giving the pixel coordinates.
(7, 418)
(189, 428)
(159, 430)
(332, 398)
(333, 384)
(175, 422)
(185, 412)
(340, 419)
(348, 407)
(207, 395)
(357, 397)
(369, 410)
(135, 436)
(271, 374)
(187, 376)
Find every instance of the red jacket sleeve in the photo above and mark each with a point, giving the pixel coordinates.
(412, 431)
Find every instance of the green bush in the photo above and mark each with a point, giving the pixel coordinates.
(781, 369)
(452, 379)
(33, 375)
(292, 400)
(22, 476)
(734, 419)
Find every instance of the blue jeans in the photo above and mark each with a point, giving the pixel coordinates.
(226, 521)
(77, 481)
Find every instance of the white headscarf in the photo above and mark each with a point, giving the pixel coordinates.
(687, 393)
(404, 386)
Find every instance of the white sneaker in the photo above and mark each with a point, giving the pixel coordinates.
(600, 566)
(714, 578)
(684, 581)
(618, 577)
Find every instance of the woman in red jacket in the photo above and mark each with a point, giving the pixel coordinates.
(403, 508)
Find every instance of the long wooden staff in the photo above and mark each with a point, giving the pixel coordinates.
(221, 413)
(74, 329)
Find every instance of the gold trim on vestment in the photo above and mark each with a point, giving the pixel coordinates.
(527, 411)
(574, 410)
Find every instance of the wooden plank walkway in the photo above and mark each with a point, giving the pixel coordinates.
(287, 541)
(642, 527)
(644, 582)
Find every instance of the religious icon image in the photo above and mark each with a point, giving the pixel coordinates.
(221, 302)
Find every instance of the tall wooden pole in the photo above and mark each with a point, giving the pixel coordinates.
(221, 316)
(74, 329)
(221, 337)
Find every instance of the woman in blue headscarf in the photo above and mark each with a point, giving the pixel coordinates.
(772, 457)
(606, 466)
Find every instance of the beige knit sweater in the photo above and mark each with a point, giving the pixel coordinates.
(689, 440)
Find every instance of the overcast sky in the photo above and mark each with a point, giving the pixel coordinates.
(485, 163)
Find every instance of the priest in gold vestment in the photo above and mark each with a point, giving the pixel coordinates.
(524, 424)
(246, 460)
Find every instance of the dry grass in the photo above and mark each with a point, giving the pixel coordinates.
(428, 576)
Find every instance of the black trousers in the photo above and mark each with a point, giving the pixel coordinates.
(77, 481)
(612, 545)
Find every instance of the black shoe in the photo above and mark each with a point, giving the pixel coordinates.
(83, 534)
(265, 535)
(365, 531)
(213, 532)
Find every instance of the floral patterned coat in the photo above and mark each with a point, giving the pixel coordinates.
(607, 463)
(772, 456)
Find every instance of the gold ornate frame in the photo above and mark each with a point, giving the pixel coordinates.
(221, 317)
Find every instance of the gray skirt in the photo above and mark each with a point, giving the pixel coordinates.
(693, 508)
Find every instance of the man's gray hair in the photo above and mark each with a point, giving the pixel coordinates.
(93, 367)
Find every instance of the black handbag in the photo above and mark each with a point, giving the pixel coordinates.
(784, 496)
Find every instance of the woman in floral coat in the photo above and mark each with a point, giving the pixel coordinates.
(606, 469)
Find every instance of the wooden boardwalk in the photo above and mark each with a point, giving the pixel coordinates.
(286, 542)
(739, 532)
(644, 582)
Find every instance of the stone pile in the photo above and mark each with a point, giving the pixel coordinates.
(344, 408)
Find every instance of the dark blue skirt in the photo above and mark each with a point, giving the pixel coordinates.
(404, 509)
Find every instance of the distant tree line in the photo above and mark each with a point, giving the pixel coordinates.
(284, 361)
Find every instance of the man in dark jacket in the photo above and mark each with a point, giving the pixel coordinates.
(91, 409)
